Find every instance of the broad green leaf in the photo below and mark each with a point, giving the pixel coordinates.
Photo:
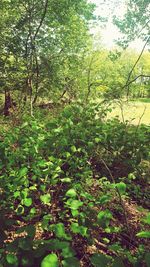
(144, 234)
(71, 193)
(104, 218)
(12, 259)
(75, 213)
(27, 202)
(33, 211)
(60, 231)
(100, 260)
(74, 204)
(121, 187)
(71, 262)
(17, 194)
(73, 149)
(45, 198)
(77, 229)
(23, 172)
(50, 260)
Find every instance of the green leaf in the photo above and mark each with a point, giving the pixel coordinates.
(104, 199)
(50, 260)
(17, 194)
(144, 234)
(121, 187)
(104, 218)
(71, 262)
(100, 260)
(12, 259)
(75, 213)
(71, 193)
(147, 219)
(20, 209)
(45, 221)
(33, 211)
(73, 149)
(147, 259)
(68, 252)
(23, 172)
(27, 202)
(24, 193)
(74, 204)
(118, 263)
(55, 244)
(60, 231)
(97, 140)
(77, 229)
(45, 198)
(65, 180)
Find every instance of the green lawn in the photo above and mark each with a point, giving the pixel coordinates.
(134, 112)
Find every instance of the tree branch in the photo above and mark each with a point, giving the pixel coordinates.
(42, 19)
(139, 76)
(130, 73)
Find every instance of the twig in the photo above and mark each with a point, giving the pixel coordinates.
(140, 120)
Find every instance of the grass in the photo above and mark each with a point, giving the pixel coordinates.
(134, 112)
(143, 100)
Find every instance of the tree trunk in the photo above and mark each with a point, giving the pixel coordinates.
(8, 103)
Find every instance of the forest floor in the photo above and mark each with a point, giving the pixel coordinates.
(45, 158)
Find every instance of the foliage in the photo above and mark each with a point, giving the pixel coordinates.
(135, 22)
(48, 171)
(42, 44)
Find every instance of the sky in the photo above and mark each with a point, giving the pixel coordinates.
(111, 32)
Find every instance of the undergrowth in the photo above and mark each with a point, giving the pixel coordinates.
(74, 191)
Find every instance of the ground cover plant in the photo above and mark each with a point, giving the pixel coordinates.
(75, 191)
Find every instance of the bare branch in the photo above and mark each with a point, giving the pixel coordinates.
(139, 76)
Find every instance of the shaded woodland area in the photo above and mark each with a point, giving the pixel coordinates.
(74, 164)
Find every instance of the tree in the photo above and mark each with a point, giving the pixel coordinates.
(136, 22)
(42, 38)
